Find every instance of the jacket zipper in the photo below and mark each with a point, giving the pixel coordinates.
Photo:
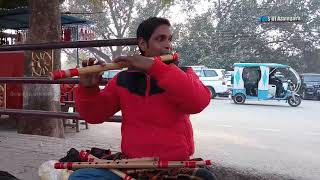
(148, 86)
(147, 93)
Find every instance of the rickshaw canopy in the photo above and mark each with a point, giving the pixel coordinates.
(271, 65)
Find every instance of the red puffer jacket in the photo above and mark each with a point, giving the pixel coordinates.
(155, 108)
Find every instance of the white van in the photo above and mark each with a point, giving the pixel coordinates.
(211, 78)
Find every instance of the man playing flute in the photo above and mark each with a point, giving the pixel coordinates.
(155, 98)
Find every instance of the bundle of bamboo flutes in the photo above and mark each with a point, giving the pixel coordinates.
(127, 165)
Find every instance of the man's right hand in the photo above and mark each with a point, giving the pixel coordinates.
(91, 80)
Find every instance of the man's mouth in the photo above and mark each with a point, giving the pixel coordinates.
(166, 51)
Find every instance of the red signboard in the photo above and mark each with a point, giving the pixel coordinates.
(11, 65)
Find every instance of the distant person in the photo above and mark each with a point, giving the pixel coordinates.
(273, 79)
(249, 84)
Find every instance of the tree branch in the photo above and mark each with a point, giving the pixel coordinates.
(69, 54)
(128, 20)
(113, 16)
(106, 37)
(99, 53)
(112, 51)
(112, 32)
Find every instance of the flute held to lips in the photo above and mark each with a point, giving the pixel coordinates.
(60, 74)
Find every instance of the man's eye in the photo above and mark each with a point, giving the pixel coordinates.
(160, 39)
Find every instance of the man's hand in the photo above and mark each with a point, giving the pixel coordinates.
(140, 62)
(91, 80)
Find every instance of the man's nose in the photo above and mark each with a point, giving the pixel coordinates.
(168, 45)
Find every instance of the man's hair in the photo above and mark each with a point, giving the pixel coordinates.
(147, 27)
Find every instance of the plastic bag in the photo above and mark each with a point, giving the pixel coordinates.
(48, 172)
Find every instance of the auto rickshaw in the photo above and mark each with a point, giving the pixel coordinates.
(265, 81)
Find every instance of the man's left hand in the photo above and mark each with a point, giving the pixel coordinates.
(137, 61)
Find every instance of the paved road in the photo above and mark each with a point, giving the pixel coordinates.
(269, 136)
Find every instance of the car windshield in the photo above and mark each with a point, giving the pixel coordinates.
(312, 78)
(210, 73)
(198, 72)
(112, 74)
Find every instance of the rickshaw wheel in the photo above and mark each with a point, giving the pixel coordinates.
(239, 98)
(293, 103)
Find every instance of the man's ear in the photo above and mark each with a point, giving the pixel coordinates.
(142, 44)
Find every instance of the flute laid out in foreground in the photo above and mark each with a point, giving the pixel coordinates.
(85, 156)
(60, 74)
(120, 164)
(88, 157)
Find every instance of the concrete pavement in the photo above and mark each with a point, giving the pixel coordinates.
(260, 140)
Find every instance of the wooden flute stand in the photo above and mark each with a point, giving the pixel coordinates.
(65, 106)
(67, 103)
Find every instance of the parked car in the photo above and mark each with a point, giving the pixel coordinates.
(211, 78)
(221, 73)
(110, 74)
(310, 88)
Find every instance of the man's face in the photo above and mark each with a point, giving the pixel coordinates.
(159, 43)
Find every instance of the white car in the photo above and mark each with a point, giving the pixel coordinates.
(110, 74)
(210, 78)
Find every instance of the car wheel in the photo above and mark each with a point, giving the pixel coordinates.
(296, 102)
(239, 98)
(213, 93)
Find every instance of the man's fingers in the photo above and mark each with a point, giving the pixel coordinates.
(84, 63)
(91, 61)
(120, 59)
(100, 62)
(117, 59)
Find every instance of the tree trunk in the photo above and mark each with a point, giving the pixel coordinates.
(45, 26)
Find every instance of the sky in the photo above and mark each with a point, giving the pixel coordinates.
(177, 15)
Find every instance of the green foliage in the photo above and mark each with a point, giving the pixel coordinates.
(231, 32)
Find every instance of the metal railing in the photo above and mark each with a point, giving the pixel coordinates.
(63, 115)
(47, 80)
(76, 44)
(43, 80)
